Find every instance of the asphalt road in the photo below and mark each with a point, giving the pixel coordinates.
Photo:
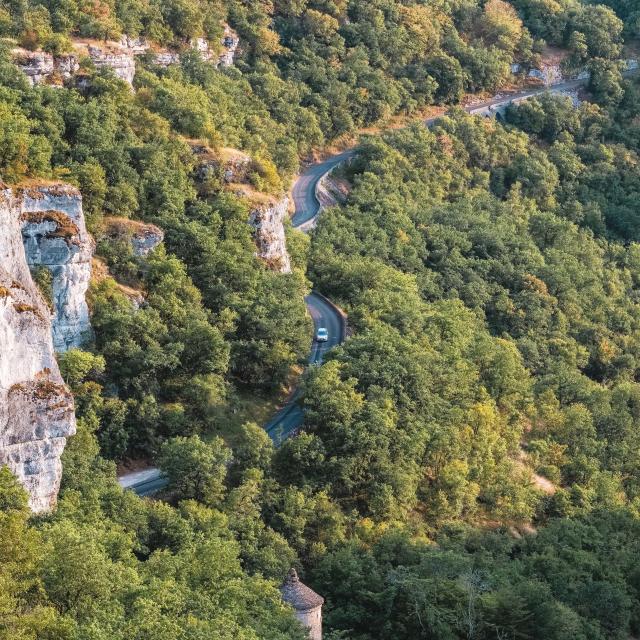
(304, 189)
(145, 482)
(560, 87)
(324, 314)
(306, 204)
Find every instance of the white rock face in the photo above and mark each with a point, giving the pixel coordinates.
(36, 408)
(137, 46)
(548, 74)
(268, 223)
(123, 63)
(330, 192)
(201, 45)
(55, 237)
(225, 58)
(41, 67)
(37, 65)
(166, 58)
(230, 42)
(66, 65)
(146, 239)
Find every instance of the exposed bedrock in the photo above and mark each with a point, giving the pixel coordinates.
(230, 42)
(267, 221)
(122, 63)
(142, 237)
(40, 67)
(55, 237)
(36, 408)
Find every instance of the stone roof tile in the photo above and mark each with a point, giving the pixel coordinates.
(298, 595)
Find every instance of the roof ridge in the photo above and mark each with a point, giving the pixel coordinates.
(297, 594)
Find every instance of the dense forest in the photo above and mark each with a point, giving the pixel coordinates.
(469, 466)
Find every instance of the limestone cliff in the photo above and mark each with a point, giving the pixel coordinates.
(267, 220)
(36, 408)
(55, 237)
(332, 191)
(227, 51)
(230, 42)
(229, 170)
(222, 56)
(121, 62)
(41, 67)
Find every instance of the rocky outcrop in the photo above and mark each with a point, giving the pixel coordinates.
(228, 47)
(555, 66)
(36, 408)
(228, 169)
(55, 237)
(332, 191)
(41, 67)
(166, 58)
(122, 63)
(201, 45)
(226, 164)
(552, 74)
(222, 57)
(547, 74)
(267, 220)
(142, 237)
(499, 109)
(137, 46)
(36, 65)
(65, 66)
(146, 238)
(122, 59)
(230, 42)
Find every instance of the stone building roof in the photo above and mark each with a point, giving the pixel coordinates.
(298, 595)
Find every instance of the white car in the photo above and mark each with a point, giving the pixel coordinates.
(322, 335)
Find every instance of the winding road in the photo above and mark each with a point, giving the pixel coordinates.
(322, 311)
(306, 204)
(324, 314)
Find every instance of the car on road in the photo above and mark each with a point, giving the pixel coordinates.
(322, 335)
